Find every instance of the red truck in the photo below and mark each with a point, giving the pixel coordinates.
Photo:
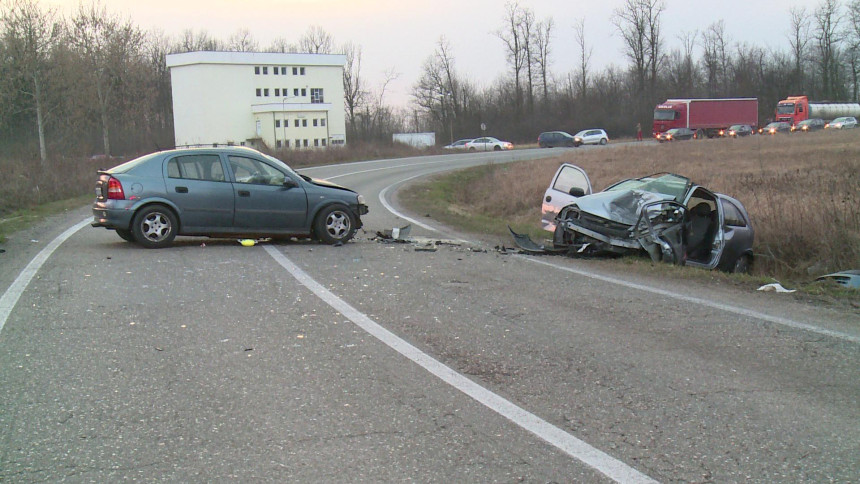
(795, 109)
(708, 117)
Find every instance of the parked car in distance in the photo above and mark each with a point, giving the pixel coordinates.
(488, 143)
(221, 192)
(460, 144)
(676, 134)
(738, 130)
(591, 137)
(667, 216)
(551, 139)
(845, 122)
(776, 127)
(807, 125)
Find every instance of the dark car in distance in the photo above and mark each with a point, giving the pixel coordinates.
(738, 130)
(551, 139)
(676, 134)
(807, 125)
(221, 192)
(776, 127)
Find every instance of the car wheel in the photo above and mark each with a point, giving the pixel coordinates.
(154, 227)
(700, 134)
(334, 224)
(497, 148)
(472, 149)
(125, 234)
(603, 141)
(742, 265)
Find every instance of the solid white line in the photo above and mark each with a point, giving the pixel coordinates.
(594, 458)
(632, 285)
(10, 297)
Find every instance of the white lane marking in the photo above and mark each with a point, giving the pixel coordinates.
(384, 202)
(662, 292)
(10, 297)
(594, 458)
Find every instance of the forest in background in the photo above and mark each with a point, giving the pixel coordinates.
(95, 83)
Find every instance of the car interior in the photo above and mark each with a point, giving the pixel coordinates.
(703, 225)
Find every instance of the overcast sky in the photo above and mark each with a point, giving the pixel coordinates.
(399, 35)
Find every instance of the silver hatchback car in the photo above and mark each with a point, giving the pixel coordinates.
(221, 192)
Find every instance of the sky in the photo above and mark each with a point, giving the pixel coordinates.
(398, 36)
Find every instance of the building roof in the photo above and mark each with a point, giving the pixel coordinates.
(254, 58)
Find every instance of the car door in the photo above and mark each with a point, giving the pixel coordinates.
(568, 178)
(264, 203)
(196, 184)
(737, 233)
(713, 252)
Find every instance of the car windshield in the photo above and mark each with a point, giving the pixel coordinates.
(664, 115)
(736, 127)
(666, 183)
(785, 109)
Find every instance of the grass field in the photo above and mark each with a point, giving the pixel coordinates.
(802, 192)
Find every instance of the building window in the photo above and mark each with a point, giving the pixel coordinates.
(295, 71)
(295, 92)
(265, 70)
(298, 143)
(323, 141)
(316, 142)
(316, 95)
(277, 123)
(266, 92)
(304, 92)
(256, 69)
(315, 122)
(259, 92)
(275, 71)
(304, 124)
(305, 143)
(297, 123)
(286, 143)
(277, 92)
(302, 70)
(284, 73)
(322, 122)
(279, 143)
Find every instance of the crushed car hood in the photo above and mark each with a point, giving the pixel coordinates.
(620, 206)
(325, 183)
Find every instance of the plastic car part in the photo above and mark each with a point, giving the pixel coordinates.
(846, 278)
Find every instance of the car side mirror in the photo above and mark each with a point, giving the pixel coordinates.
(576, 192)
(290, 183)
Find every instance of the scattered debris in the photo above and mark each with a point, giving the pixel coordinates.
(525, 243)
(425, 248)
(2, 251)
(850, 278)
(397, 234)
(250, 242)
(774, 287)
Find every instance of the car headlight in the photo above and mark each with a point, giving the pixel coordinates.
(361, 200)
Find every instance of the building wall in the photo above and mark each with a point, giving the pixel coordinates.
(236, 98)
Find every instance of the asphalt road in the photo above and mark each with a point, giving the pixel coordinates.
(298, 362)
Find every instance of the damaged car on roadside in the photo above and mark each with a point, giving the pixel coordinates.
(664, 215)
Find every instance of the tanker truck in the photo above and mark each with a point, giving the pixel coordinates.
(795, 109)
(707, 117)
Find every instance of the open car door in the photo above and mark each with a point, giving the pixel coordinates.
(569, 183)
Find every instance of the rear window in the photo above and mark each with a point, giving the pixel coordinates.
(732, 215)
(568, 178)
(196, 167)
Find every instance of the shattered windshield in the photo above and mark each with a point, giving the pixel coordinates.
(668, 184)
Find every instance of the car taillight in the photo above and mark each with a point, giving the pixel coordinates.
(115, 190)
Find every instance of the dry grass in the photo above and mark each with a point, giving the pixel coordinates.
(802, 191)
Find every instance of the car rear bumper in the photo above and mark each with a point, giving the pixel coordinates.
(111, 217)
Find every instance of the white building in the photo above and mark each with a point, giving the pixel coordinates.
(251, 98)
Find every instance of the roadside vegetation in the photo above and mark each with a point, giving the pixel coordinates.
(802, 193)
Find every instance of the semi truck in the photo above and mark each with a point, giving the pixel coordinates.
(708, 117)
(795, 109)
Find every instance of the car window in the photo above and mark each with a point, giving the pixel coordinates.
(249, 170)
(196, 167)
(732, 215)
(570, 177)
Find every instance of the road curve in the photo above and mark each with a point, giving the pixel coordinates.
(211, 361)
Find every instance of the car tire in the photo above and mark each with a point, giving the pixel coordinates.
(335, 224)
(154, 227)
(125, 234)
(603, 141)
(497, 148)
(742, 265)
(472, 149)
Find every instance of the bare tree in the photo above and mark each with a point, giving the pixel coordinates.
(584, 55)
(798, 38)
(828, 18)
(681, 71)
(353, 84)
(190, 41)
(638, 22)
(106, 44)
(543, 35)
(242, 41)
(854, 47)
(29, 35)
(511, 36)
(283, 46)
(715, 58)
(316, 41)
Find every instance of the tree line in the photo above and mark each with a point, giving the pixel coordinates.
(97, 83)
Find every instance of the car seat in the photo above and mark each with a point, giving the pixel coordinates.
(701, 231)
